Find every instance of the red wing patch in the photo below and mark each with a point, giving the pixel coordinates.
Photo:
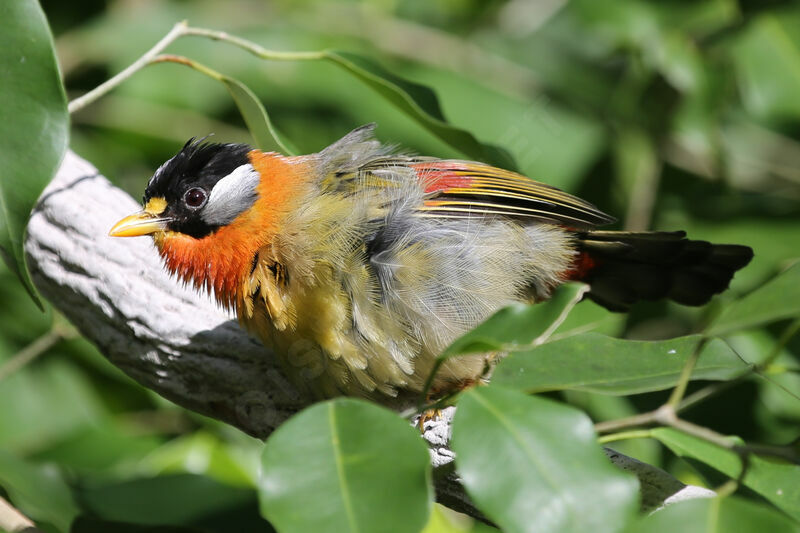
(465, 188)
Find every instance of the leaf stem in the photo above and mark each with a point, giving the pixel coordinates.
(686, 374)
(641, 419)
(625, 435)
(252, 47)
(709, 391)
(179, 30)
(700, 432)
(181, 60)
(727, 488)
(787, 335)
(547, 334)
(105, 87)
(30, 352)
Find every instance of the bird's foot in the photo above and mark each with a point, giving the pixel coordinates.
(428, 415)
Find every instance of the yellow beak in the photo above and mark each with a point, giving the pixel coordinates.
(137, 224)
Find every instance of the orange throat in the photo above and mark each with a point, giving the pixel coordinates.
(221, 261)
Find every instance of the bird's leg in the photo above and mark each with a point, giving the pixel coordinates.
(439, 396)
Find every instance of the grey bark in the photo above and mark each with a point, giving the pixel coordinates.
(175, 341)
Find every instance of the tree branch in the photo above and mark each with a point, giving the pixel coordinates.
(13, 521)
(173, 340)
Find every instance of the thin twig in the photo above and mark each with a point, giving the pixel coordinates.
(182, 60)
(787, 335)
(713, 389)
(667, 412)
(668, 417)
(641, 419)
(30, 352)
(709, 391)
(82, 101)
(179, 30)
(686, 374)
(727, 488)
(547, 334)
(252, 47)
(625, 435)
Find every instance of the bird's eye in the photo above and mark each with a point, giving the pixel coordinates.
(195, 198)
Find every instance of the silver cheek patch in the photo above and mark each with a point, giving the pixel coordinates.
(232, 195)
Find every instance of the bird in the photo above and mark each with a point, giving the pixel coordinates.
(359, 264)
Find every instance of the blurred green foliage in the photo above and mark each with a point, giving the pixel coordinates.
(673, 114)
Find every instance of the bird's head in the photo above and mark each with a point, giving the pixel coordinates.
(210, 209)
(201, 189)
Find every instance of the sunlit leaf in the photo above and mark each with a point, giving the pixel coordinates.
(34, 128)
(204, 453)
(594, 362)
(345, 466)
(534, 465)
(776, 480)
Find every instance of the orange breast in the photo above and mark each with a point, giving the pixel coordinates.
(221, 260)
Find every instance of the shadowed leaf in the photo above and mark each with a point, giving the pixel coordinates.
(778, 299)
(596, 363)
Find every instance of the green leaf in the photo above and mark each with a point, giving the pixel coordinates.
(39, 492)
(203, 452)
(767, 61)
(778, 299)
(589, 316)
(532, 464)
(519, 324)
(714, 515)
(602, 407)
(99, 447)
(596, 363)
(34, 128)
(256, 118)
(698, 18)
(420, 103)
(775, 480)
(344, 466)
(52, 399)
(178, 500)
(549, 140)
(86, 524)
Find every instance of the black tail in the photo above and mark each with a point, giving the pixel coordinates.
(622, 268)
